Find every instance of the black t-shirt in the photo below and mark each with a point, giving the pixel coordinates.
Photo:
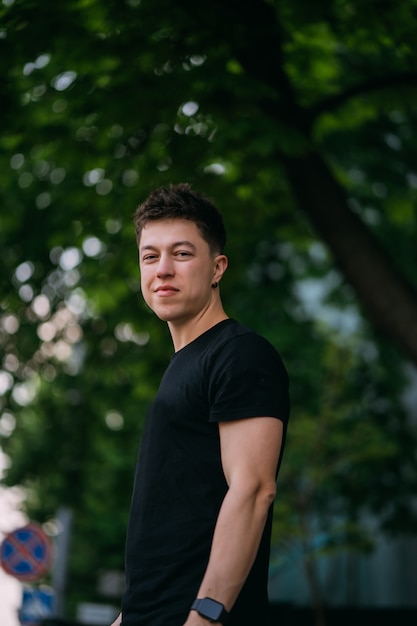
(227, 373)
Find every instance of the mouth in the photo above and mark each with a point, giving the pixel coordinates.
(165, 290)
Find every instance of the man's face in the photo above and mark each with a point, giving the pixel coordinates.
(177, 270)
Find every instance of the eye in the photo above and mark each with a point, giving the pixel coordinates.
(148, 258)
(182, 254)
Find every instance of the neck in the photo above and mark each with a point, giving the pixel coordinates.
(184, 333)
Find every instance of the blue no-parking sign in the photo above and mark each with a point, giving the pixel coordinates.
(26, 553)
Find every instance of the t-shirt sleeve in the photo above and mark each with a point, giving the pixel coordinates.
(248, 379)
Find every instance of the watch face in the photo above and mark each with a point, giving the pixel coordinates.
(210, 609)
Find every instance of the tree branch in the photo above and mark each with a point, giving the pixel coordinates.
(377, 83)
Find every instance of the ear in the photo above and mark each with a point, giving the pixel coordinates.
(220, 265)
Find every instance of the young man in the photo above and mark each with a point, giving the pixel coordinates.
(199, 531)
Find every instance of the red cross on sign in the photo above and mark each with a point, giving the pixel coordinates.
(26, 553)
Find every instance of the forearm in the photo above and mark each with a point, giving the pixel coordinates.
(235, 544)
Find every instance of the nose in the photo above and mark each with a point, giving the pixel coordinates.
(165, 266)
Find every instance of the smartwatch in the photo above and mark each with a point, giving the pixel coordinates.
(211, 610)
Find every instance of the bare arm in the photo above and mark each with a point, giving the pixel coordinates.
(117, 621)
(250, 451)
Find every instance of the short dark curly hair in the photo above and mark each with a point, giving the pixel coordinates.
(180, 201)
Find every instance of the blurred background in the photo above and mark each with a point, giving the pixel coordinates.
(299, 119)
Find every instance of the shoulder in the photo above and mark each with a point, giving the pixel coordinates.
(239, 355)
(235, 342)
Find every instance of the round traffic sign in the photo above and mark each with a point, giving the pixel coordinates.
(26, 553)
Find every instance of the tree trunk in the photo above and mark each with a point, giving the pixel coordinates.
(388, 299)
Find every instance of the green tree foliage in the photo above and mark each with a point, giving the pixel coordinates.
(298, 118)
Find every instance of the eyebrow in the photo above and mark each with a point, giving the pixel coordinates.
(176, 244)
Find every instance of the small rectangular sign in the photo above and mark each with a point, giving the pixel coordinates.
(37, 604)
